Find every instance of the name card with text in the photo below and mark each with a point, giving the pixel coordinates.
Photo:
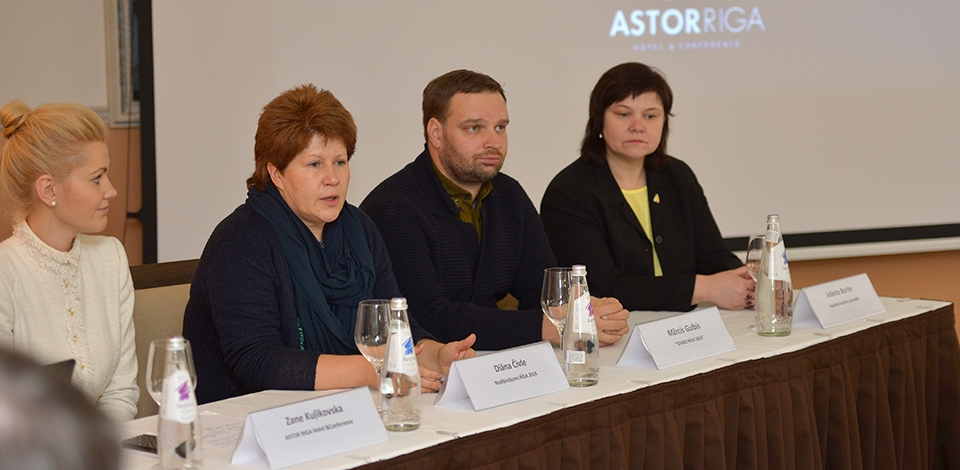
(311, 429)
(677, 340)
(837, 302)
(503, 377)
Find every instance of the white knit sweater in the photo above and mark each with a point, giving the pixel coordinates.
(77, 305)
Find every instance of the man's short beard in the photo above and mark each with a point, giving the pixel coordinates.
(473, 173)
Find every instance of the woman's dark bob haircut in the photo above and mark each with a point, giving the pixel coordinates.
(617, 84)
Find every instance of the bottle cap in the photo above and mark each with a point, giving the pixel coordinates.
(398, 303)
(579, 270)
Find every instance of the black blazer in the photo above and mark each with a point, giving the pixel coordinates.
(589, 222)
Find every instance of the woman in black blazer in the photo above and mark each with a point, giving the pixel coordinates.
(599, 210)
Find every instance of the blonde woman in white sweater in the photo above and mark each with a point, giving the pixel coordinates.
(64, 294)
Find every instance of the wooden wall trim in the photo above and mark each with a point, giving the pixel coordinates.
(163, 274)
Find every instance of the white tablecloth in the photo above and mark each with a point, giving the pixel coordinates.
(222, 420)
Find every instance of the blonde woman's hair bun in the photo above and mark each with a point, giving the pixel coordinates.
(13, 115)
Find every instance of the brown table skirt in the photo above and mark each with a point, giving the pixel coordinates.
(883, 398)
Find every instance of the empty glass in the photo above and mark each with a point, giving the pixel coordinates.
(555, 296)
(754, 250)
(171, 380)
(157, 365)
(372, 332)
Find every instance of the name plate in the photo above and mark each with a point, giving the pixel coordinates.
(677, 340)
(502, 377)
(838, 302)
(311, 429)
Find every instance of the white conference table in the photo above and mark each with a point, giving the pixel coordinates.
(223, 420)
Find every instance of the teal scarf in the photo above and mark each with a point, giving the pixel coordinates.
(329, 278)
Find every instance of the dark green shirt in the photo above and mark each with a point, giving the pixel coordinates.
(469, 209)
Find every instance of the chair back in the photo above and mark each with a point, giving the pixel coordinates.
(161, 291)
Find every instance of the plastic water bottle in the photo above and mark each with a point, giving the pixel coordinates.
(178, 442)
(400, 380)
(581, 348)
(774, 287)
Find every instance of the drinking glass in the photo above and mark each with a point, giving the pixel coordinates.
(157, 365)
(555, 296)
(754, 250)
(159, 353)
(371, 333)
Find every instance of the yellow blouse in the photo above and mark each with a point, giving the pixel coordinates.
(638, 201)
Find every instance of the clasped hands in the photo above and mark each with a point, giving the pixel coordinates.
(729, 290)
(610, 316)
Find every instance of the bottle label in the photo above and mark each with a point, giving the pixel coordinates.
(401, 358)
(178, 401)
(583, 321)
(781, 269)
(576, 357)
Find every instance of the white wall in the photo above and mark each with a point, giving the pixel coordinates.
(53, 51)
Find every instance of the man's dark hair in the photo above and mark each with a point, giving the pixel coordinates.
(440, 90)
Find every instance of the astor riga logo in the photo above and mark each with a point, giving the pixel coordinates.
(688, 21)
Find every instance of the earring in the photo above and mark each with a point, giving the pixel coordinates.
(601, 136)
(53, 204)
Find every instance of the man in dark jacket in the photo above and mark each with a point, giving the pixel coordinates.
(461, 235)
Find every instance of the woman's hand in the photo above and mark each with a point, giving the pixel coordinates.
(456, 350)
(729, 290)
(430, 380)
(611, 319)
(435, 359)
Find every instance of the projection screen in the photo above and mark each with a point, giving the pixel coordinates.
(843, 117)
